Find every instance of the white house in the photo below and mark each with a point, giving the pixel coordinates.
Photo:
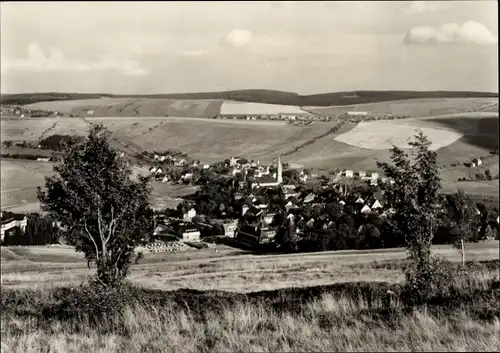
(43, 159)
(233, 161)
(356, 113)
(362, 174)
(153, 170)
(165, 179)
(189, 215)
(366, 209)
(191, 234)
(348, 173)
(230, 229)
(187, 176)
(360, 200)
(309, 198)
(268, 218)
(90, 112)
(159, 171)
(206, 166)
(376, 205)
(12, 224)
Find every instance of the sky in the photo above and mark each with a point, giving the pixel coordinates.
(301, 46)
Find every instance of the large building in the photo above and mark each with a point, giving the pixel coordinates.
(253, 235)
(279, 178)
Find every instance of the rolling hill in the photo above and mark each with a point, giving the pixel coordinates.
(258, 96)
(328, 146)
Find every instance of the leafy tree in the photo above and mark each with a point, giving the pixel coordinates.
(414, 196)
(106, 212)
(462, 219)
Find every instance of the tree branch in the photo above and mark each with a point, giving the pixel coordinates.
(92, 239)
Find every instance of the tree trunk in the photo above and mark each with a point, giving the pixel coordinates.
(462, 251)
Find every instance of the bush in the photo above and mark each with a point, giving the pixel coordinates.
(423, 284)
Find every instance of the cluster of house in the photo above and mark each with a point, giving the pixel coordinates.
(26, 113)
(181, 229)
(260, 230)
(372, 177)
(10, 223)
(278, 117)
(262, 174)
(476, 162)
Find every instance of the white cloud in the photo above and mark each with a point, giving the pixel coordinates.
(452, 33)
(238, 38)
(56, 61)
(418, 7)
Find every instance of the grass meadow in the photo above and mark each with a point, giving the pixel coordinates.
(349, 316)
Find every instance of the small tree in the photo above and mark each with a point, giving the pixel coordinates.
(462, 219)
(106, 214)
(414, 196)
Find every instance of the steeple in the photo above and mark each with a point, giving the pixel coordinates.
(279, 175)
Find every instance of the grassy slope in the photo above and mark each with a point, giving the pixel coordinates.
(206, 270)
(327, 317)
(212, 140)
(261, 96)
(413, 107)
(133, 107)
(480, 137)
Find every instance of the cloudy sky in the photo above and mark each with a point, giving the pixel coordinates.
(304, 47)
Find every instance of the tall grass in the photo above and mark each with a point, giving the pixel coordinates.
(325, 324)
(340, 317)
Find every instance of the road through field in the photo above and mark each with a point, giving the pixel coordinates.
(205, 269)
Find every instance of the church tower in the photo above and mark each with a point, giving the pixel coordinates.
(279, 175)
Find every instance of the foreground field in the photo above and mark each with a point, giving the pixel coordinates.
(328, 322)
(48, 267)
(349, 316)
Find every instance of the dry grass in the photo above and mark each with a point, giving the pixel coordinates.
(327, 323)
(206, 270)
(331, 318)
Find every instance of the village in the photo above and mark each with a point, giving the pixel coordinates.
(249, 202)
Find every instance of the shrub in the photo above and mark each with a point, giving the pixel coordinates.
(427, 280)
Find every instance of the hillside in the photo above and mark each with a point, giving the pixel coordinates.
(418, 107)
(259, 96)
(328, 146)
